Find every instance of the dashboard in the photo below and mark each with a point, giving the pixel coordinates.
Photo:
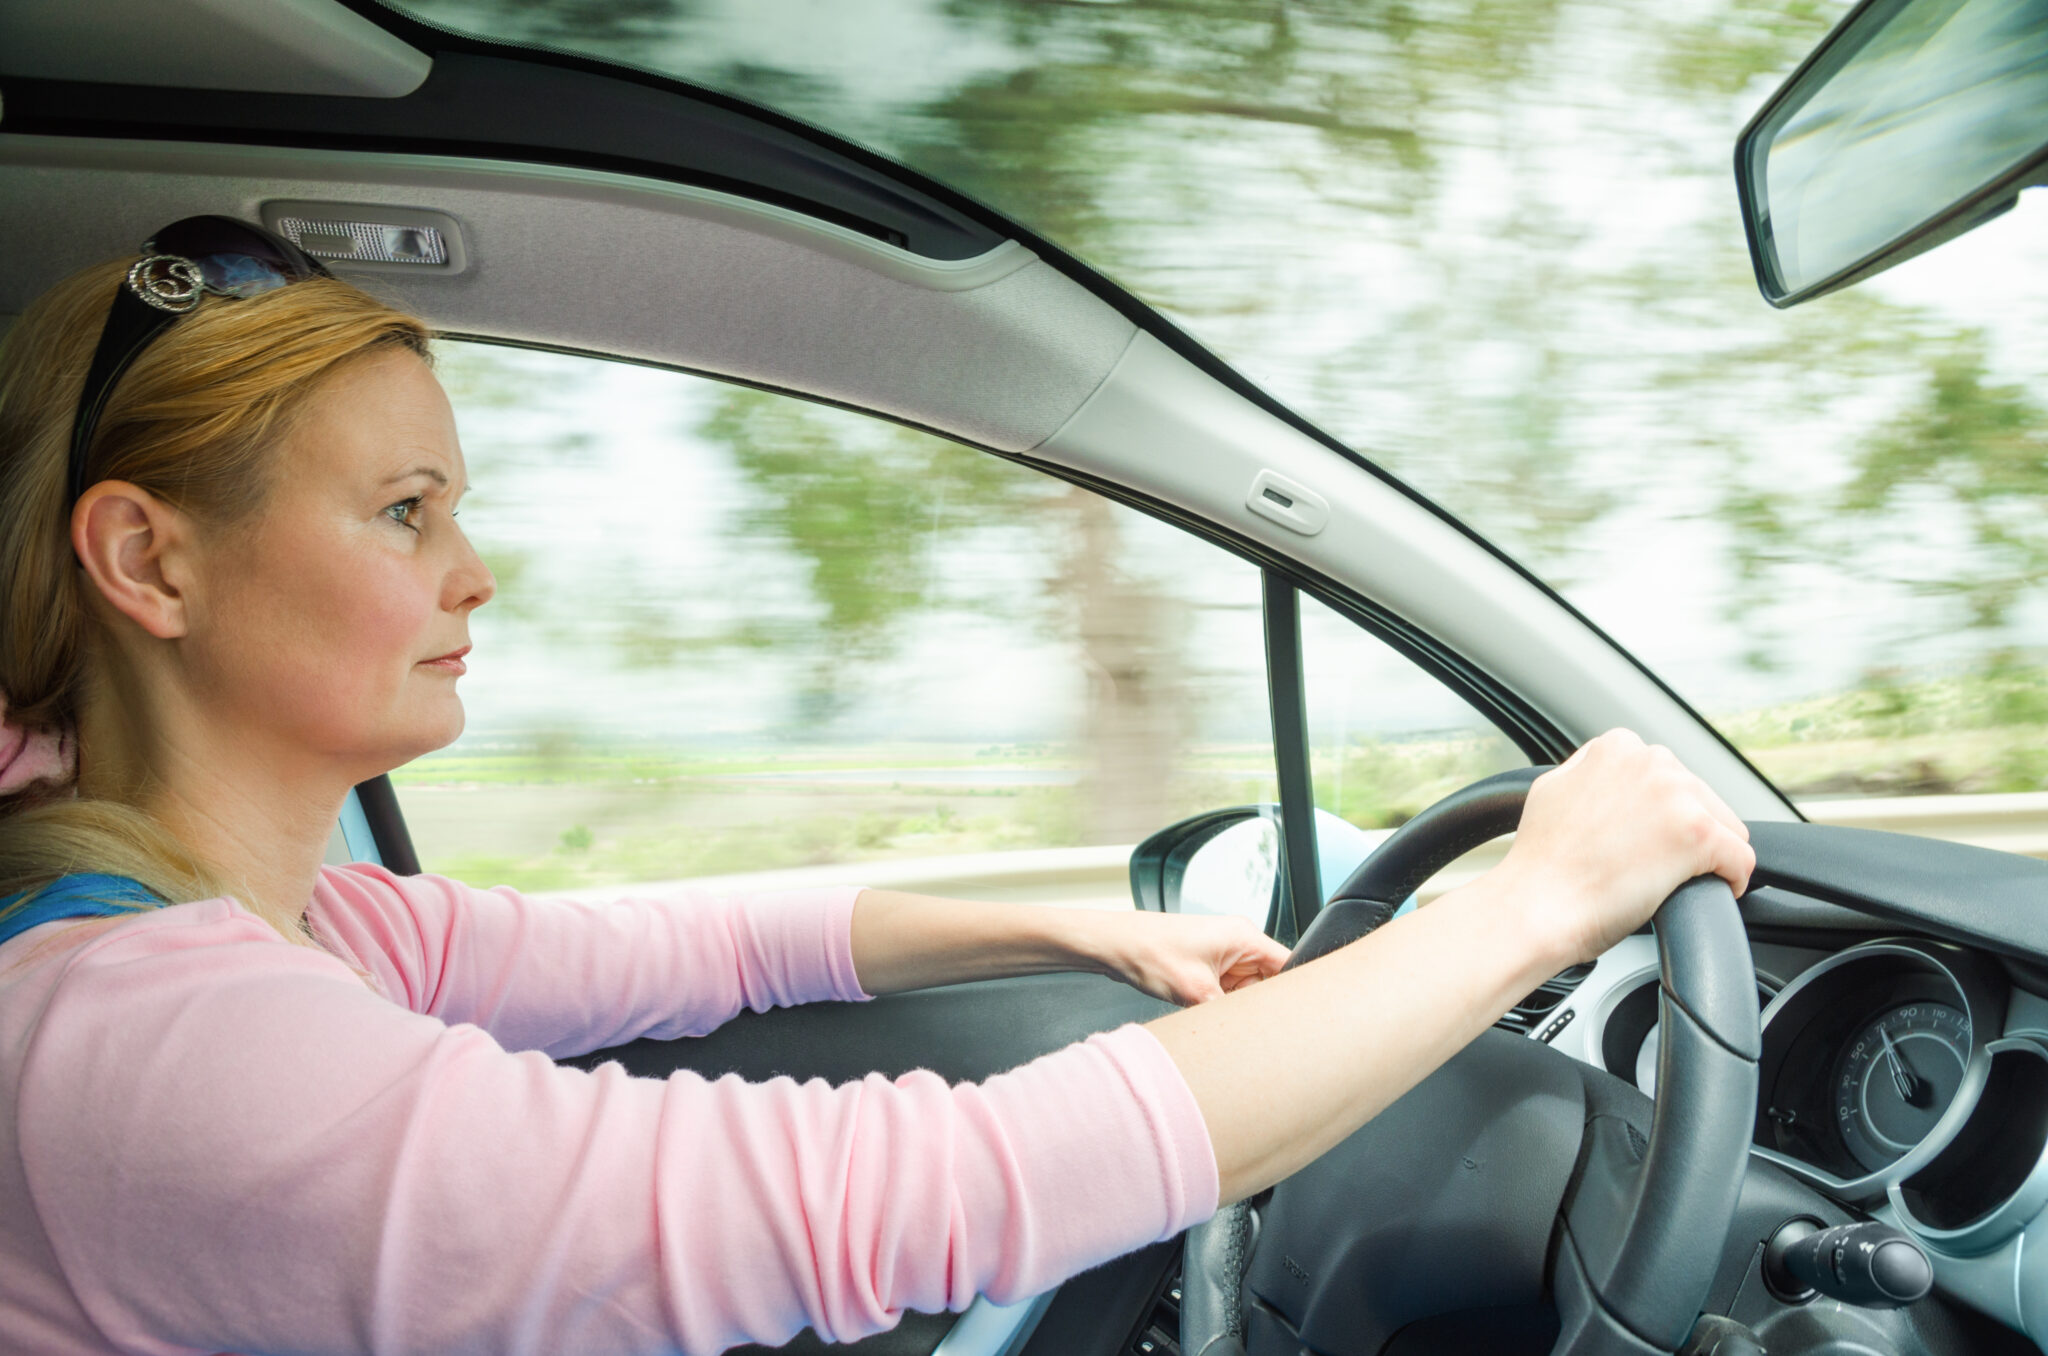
(1905, 1078)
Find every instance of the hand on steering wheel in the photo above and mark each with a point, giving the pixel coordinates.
(1608, 834)
(1618, 1210)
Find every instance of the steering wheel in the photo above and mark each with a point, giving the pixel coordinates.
(1513, 1170)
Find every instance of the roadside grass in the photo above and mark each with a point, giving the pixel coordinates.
(564, 833)
(1957, 734)
(555, 813)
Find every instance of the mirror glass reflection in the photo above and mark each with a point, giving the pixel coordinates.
(1232, 874)
(1913, 111)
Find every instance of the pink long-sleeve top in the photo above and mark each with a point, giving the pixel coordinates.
(213, 1140)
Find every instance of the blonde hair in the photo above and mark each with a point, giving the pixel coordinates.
(195, 421)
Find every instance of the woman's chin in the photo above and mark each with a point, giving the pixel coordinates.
(420, 738)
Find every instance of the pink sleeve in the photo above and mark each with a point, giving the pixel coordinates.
(235, 1145)
(563, 977)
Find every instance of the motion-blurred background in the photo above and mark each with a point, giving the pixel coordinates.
(1493, 244)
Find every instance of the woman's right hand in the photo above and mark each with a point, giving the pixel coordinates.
(1609, 833)
(1604, 838)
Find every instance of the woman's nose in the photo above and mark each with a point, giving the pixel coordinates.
(471, 583)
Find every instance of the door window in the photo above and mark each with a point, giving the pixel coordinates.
(739, 634)
(1386, 740)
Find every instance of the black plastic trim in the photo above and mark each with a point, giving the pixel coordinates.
(1976, 896)
(1288, 705)
(1084, 1317)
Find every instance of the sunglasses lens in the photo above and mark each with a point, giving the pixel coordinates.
(234, 258)
(239, 275)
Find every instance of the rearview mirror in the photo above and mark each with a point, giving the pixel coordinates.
(1913, 122)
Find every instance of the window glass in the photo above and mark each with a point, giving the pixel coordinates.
(1386, 740)
(1495, 245)
(740, 633)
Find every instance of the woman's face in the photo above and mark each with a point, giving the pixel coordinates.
(337, 618)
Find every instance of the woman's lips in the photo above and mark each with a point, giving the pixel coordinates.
(448, 663)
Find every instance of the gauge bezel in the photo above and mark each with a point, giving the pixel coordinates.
(1993, 1227)
(1973, 987)
(1643, 979)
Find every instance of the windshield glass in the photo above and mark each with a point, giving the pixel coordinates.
(1494, 245)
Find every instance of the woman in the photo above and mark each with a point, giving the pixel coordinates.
(261, 1104)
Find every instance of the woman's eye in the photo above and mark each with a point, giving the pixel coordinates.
(402, 512)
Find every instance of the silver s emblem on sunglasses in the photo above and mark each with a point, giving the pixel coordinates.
(167, 282)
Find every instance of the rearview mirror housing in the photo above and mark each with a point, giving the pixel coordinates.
(1913, 122)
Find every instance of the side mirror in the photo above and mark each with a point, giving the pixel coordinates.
(1913, 122)
(1227, 862)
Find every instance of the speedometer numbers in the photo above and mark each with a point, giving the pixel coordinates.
(1896, 1077)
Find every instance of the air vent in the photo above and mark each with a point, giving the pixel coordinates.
(1527, 1015)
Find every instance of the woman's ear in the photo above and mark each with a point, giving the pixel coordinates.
(132, 545)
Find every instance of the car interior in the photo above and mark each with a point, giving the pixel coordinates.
(1814, 1119)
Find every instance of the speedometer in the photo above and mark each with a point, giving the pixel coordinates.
(1866, 1056)
(1896, 1077)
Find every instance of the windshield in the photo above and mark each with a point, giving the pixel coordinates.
(1494, 245)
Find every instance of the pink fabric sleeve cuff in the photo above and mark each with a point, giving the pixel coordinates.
(1106, 1151)
(823, 926)
(1184, 1144)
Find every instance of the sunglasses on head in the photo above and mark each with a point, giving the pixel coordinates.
(180, 264)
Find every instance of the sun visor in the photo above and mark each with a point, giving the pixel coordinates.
(276, 47)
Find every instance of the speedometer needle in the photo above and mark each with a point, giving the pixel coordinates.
(1902, 1077)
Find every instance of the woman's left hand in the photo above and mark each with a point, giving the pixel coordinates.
(1183, 958)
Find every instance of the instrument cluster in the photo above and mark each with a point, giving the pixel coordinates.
(1884, 1075)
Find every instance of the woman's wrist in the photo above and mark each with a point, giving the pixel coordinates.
(1078, 939)
(908, 941)
(1519, 909)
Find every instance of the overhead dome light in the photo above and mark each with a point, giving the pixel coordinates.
(360, 235)
(360, 241)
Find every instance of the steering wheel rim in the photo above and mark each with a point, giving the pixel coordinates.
(1640, 1245)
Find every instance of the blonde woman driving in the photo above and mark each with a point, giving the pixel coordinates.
(252, 1103)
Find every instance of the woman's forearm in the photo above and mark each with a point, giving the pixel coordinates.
(1286, 1069)
(906, 941)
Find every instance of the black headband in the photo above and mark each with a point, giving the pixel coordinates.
(180, 264)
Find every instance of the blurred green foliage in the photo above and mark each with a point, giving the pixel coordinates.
(1223, 159)
(1382, 784)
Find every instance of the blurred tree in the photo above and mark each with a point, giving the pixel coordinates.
(887, 520)
(866, 506)
(1978, 449)
(1559, 330)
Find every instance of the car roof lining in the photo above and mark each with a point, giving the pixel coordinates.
(998, 349)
